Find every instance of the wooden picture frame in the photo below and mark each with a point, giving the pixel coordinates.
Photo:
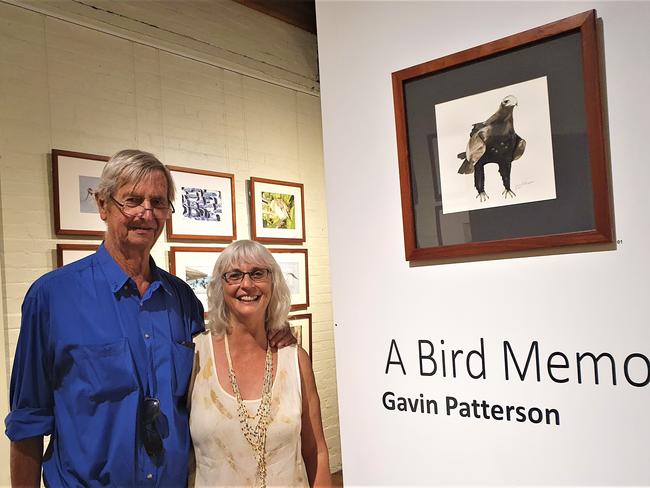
(300, 325)
(295, 267)
(74, 175)
(194, 265)
(277, 211)
(204, 204)
(440, 111)
(69, 253)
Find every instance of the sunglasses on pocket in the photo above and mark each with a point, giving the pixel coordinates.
(150, 435)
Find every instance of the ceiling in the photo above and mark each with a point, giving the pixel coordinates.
(301, 13)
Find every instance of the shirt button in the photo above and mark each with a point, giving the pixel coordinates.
(147, 336)
(149, 476)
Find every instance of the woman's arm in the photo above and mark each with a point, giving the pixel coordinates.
(314, 448)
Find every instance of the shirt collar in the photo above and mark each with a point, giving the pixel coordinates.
(158, 276)
(117, 278)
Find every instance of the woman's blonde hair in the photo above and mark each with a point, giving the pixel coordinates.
(253, 253)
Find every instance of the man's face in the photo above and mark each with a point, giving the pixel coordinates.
(141, 231)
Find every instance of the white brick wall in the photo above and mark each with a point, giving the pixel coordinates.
(67, 86)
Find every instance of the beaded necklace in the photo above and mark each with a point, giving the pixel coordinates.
(254, 427)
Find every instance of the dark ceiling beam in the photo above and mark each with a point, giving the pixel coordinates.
(301, 13)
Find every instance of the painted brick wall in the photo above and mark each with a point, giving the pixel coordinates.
(68, 86)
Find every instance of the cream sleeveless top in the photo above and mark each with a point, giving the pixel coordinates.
(223, 456)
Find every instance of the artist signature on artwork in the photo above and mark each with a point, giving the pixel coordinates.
(524, 183)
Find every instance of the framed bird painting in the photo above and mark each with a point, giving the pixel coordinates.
(204, 206)
(277, 211)
(501, 146)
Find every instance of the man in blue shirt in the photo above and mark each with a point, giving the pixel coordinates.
(105, 351)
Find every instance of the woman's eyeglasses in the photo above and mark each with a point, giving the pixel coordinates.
(236, 277)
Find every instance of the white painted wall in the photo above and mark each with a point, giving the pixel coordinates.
(69, 80)
(220, 31)
(574, 302)
(4, 360)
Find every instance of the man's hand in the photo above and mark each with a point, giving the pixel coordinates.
(281, 338)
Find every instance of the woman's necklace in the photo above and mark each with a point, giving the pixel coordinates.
(254, 427)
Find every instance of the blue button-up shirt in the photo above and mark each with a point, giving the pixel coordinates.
(90, 349)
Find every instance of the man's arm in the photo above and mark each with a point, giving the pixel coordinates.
(25, 462)
(31, 416)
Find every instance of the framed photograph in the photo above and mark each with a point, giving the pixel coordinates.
(69, 253)
(194, 265)
(205, 206)
(277, 211)
(301, 330)
(501, 146)
(295, 267)
(75, 177)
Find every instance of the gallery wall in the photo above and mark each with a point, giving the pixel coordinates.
(71, 78)
(578, 302)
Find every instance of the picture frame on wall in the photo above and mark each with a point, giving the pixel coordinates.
(204, 206)
(501, 146)
(69, 253)
(75, 176)
(294, 264)
(194, 265)
(300, 325)
(277, 211)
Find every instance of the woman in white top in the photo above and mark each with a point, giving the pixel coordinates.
(255, 413)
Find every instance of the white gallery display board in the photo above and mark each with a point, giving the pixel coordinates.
(532, 370)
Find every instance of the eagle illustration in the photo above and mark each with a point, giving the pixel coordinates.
(493, 141)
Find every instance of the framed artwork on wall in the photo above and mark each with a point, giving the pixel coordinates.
(277, 211)
(194, 265)
(205, 206)
(501, 146)
(301, 329)
(295, 268)
(69, 253)
(75, 177)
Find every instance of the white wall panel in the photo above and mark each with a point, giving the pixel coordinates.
(573, 302)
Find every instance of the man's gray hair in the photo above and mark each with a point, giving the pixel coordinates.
(130, 166)
(253, 253)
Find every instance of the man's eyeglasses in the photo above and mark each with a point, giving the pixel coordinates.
(236, 277)
(150, 435)
(134, 207)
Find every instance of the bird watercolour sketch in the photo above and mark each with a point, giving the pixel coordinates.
(278, 211)
(87, 186)
(508, 154)
(201, 204)
(493, 141)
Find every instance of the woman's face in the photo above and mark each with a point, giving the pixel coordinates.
(248, 299)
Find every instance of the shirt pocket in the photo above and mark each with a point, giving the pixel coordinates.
(183, 359)
(104, 371)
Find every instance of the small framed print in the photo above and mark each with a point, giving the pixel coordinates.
(194, 265)
(69, 253)
(277, 211)
(75, 177)
(295, 268)
(205, 206)
(301, 329)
